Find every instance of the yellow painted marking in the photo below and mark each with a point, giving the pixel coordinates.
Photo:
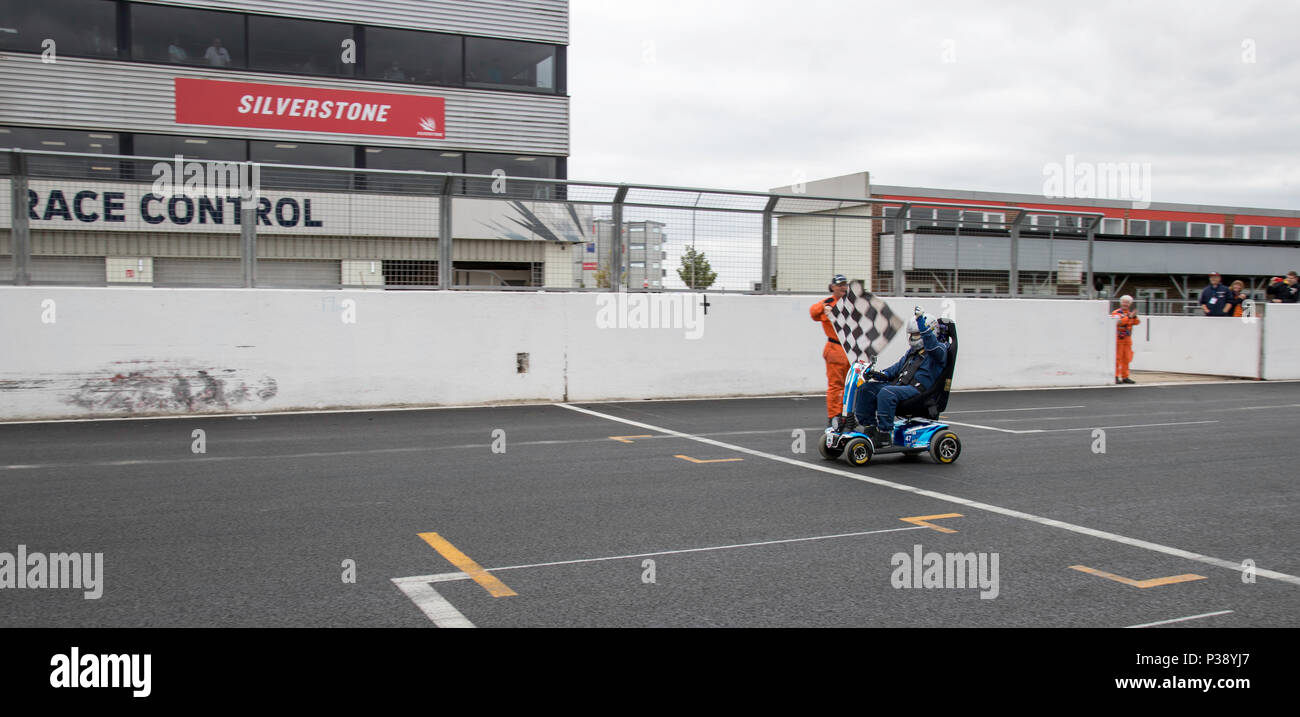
(712, 460)
(1153, 582)
(923, 521)
(495, 587)
(626, 439)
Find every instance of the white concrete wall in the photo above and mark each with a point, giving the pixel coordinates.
(1282, 341)
(124, 351)
(1004, 343)
(1220, 346)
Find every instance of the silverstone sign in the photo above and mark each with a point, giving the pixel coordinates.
(308, 109)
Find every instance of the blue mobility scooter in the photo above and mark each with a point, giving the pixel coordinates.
(916, 425)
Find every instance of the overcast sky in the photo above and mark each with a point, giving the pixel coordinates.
(964, 95)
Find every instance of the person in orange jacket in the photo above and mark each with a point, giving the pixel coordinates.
(837, 362)
(1128, 318)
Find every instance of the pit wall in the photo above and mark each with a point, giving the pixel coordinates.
(82, 352)
(1266, 347)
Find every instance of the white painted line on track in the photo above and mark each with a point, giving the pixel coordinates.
(1181, 619)
(433, 604)
(1010, 512)
(1131, 425)
(990, 428)
(445, 577)
(1008, 410)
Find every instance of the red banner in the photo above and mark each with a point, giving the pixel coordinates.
(308, 109)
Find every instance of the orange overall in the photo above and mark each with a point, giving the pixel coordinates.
(1124, 340)
(837, 363)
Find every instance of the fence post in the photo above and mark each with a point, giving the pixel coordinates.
(1013, 271)
(20, 234)
(444, 233)
(766, 286)
(248, 233)
(1092, 234)
(616, 242)
(900, 227)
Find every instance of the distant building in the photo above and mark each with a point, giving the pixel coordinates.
(643, 258)
(1162, 251)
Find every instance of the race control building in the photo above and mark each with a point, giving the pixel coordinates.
(475, 87)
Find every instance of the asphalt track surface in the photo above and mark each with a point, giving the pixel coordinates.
(1194, 480)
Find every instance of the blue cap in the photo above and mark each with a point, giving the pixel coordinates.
(839, 279)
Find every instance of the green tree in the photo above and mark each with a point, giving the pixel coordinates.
(696, 272)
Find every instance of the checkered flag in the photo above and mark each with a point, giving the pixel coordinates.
(865, 323)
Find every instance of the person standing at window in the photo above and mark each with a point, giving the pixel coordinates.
(176, 53)
(216, 55)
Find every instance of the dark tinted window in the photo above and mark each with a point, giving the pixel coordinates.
(1177, 229)
(1274, 233)
(412, 56)
(1157, 229)
(163, 145)
(513, 165)
(77, 27)
(59, 140)
(324, 155)
(62, 140)
(424, 160)
(288, 45)
(509, 65)
(186, 37)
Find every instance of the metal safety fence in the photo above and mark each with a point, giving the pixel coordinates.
(115, 220)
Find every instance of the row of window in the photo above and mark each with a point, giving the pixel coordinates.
(147, 32)
(952, 218)
(283, 152)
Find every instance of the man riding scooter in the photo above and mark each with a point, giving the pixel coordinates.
(915, 372)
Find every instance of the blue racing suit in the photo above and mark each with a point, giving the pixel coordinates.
(917, 371)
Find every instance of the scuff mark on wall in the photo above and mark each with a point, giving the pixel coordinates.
(161, 389)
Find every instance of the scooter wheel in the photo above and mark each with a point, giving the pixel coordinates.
(858, 451)
(945, 447)
(828, 453)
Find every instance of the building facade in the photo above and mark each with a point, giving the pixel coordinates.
(1157, 252)
(397, 85)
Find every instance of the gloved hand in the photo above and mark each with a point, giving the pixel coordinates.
(876, 376)
(924, 323)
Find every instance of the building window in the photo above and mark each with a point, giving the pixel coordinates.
(304, 153)
(424, 58)
(85, 28)
(38, 139)
(405, 160)
(1178, 229)
(1137, 227)
(1273, 234)
(1157, 229)
(166, 145)
(509, 65)
(1112, 226)
(1293, 233)
(513, 166)
(181, 36)
(302, 46)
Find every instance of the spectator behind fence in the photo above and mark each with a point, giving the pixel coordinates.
(1127, 319)
(1276, 290)
(1236, 297)
(1291, 289)
(1214, 298)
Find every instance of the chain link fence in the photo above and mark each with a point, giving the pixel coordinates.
(108, 220)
